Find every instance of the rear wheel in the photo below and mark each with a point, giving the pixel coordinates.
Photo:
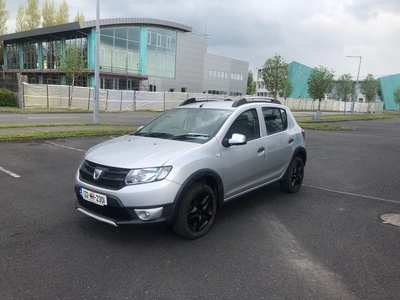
(293, 179)
(196, 212)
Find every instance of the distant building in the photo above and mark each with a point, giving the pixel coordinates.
(298, 76)
(388, 85)
(135, 54)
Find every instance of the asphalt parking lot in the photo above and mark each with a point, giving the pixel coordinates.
(325, 242)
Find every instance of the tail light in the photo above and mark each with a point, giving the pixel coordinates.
(303, 132)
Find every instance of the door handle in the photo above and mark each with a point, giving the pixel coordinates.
(291, 141)
(261, 149)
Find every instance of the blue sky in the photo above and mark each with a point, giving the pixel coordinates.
(310, 32)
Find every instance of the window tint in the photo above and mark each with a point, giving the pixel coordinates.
(246, 124)
(275, 120)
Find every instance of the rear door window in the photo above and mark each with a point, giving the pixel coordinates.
(275, 119)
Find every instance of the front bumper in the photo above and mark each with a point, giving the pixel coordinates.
(115, 213)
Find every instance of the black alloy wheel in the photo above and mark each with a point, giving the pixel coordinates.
(196, 212)
(294, 176)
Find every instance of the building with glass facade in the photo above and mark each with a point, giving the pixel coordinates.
(135, 54)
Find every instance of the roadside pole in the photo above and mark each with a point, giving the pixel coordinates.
(97, 67)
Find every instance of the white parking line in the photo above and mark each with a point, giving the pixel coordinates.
(9, 173)
(352, 194)
(66, 147)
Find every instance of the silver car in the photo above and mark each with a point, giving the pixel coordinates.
(179, 168)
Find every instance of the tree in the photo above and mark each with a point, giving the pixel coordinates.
(79, 17)
(370, 88)
(251, 85)
(320, 82)
(396, 96)
(275, 74)
(48, 13)
(62, 15)
(287, 90)
(345, 87)
(32, 15)
(74, 64)
(4, 16)
(20, 19)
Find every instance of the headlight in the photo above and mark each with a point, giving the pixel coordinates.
(146, 175)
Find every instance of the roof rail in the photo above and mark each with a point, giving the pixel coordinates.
(194, 100)
(256, 99)
(188, 101)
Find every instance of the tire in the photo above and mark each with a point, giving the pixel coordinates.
(294, 175)
(196, 212)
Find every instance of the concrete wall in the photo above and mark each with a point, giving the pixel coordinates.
(193, 64)
(189, 66)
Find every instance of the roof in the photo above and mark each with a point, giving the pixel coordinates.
(87, 26)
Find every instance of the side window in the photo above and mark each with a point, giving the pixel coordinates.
(275, 119)
(284, 119)
(247, 124)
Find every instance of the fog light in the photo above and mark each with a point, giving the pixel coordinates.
(149, 214)
(144, 215)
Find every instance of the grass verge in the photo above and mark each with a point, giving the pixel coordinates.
(5, 126)
(348, 117)
(36, 136)
(322, 127)
(307, 123)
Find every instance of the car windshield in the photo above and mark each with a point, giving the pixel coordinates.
(186, 124)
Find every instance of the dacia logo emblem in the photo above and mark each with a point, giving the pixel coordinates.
(97, 173)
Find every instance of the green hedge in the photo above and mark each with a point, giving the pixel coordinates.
(6, 98)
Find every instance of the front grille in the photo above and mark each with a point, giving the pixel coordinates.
(111, 178)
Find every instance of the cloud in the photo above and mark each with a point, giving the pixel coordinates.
(310, 32)
(370, 9)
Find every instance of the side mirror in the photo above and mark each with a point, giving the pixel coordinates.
(236, 140)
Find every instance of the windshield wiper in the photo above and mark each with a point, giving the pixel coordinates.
(191, 136)
(161, 135)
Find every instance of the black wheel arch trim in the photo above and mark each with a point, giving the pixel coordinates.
(301, 151)
(196, 177)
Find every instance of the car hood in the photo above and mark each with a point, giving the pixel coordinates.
(130, 152)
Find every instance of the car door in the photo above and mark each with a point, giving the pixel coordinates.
(278, 140)
(244, 165)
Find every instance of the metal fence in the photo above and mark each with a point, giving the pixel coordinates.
(65, 97)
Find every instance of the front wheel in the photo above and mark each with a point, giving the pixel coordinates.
(196, 212)
(293, 178)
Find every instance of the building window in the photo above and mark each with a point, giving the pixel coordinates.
(12, 56)
(116, 57)
(159, 40)
(120, 50)
(102, 55)
(148, 38)
(161, 52)
(51, 55)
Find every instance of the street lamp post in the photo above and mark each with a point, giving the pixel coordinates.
(97, 68)
(358, 74)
